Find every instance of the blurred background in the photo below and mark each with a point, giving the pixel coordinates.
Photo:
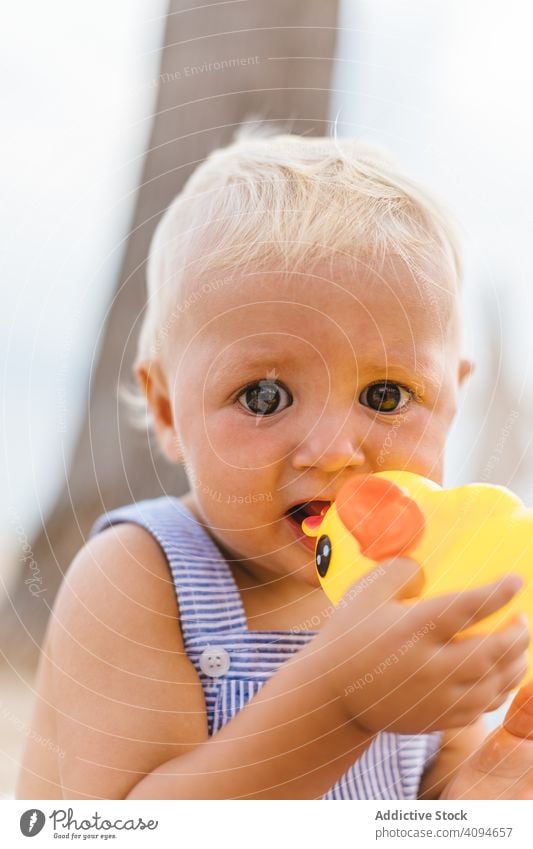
(107, 109)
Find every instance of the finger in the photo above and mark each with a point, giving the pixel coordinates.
(454, 612)
(515, 639)
(514, 675)
(519, 718)
(478, 656)
(490, 693)
(497, 702)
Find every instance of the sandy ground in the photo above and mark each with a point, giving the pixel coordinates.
(16, 704)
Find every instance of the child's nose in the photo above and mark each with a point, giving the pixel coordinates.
(330, 445)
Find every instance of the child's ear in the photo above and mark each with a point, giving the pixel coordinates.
(154, 385)
(466, 367)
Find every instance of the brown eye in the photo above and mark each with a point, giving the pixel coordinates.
(265, 398)
(385, 397)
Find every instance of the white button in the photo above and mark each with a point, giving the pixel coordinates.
(214, 661)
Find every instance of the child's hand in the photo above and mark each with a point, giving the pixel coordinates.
(502, 767)
(397, 666)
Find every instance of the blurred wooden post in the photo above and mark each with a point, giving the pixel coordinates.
(222, 63)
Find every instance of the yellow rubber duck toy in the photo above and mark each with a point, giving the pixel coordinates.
(462, 538)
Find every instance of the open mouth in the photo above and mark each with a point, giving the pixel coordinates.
(302, 511)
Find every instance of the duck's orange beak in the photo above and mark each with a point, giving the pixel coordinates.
(381, 516)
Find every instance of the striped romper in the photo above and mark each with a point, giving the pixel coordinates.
(233, 662)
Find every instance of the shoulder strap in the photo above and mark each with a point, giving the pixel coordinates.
(209, 600)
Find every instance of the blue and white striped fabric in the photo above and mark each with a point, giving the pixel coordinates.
(212, 615)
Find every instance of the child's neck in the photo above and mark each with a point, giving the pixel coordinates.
(273, 602)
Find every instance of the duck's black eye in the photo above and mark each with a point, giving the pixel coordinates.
(323, 555)
(385, 396)
(265, 397)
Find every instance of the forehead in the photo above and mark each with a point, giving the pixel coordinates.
(330, 307)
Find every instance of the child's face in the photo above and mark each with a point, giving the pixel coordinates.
(352, 372)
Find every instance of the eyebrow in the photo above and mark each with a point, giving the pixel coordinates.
(239, 363)
(242, 363)
(425, 378)
(395, 367)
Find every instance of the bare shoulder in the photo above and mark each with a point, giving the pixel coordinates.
(115, 683)
(120, 572)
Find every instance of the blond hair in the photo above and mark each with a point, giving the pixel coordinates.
(278, 201)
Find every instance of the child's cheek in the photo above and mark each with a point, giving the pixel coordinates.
(246, 441)
(416, 447)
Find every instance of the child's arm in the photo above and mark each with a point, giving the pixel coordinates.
(499, 765)
(115, 686)
(267, 751)
(127, 703)
(129, 708)
(457, 745)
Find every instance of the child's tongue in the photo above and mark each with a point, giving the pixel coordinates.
(312, 508)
